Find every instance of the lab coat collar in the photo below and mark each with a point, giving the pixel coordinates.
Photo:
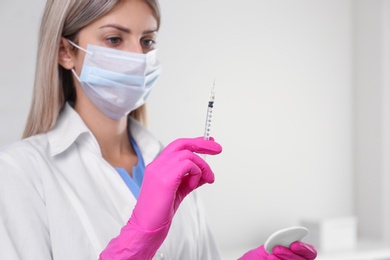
(150, 147)
(70, 127)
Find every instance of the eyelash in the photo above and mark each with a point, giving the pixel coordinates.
(145, 43)
(110, 40)
(148, 42)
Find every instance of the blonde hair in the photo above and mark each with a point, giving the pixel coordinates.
(53, 85)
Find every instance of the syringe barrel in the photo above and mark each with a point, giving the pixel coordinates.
(207, 128)
(209, 114)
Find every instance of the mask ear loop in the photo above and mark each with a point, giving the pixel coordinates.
(80, 48)
(75, 74)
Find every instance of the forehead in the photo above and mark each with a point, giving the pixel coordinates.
(130, 13)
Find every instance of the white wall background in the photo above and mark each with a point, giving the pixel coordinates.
(19, 21)
(372, 117)
(285, 110)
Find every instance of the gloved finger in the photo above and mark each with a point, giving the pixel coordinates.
(258, 254)
(205, 171)
(197, 145)
(179, 164)
(191, 180)
(303, 249)
(285, 253)
(189, 183)
(207, 174)
(186, 167)
(196, 179)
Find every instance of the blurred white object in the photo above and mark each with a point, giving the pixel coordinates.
(332, 234)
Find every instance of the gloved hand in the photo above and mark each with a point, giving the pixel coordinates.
(297, 251)
(175, 173)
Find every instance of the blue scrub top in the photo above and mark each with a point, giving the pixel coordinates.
(134, 183)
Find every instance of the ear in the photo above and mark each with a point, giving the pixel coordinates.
(65, 55)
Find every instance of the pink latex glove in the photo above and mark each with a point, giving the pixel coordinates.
(297, 251)
(175, 173)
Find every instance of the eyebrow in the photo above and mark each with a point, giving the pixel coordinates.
(124, 29)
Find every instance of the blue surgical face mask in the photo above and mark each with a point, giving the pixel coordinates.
(117, 82)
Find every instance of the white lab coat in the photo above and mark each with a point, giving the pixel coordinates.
(59, 199)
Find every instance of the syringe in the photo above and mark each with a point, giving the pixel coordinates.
(209, 114)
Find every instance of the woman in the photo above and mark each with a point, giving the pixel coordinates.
(71, 188)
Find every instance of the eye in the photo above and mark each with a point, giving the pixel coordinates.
(114, 41)
(148, 43)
